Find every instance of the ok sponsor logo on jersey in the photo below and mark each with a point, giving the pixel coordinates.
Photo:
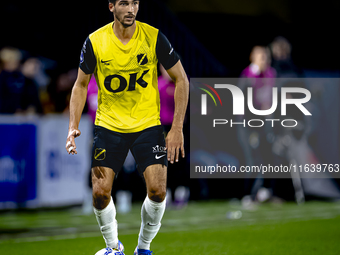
(123, 83)
(135, 78)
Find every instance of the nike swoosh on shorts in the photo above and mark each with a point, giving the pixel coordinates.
(158, 157)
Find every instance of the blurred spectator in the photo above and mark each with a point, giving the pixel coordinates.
(33, 69)
(92, 98)
(166, 93)
(260, 68)
(62, 91)
(257, 143)
(282, 62)
(259, 64)
(18, 94)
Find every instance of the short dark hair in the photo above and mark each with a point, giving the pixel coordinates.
(113, 1)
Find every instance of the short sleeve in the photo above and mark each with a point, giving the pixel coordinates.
(87, 58)
(165, 52)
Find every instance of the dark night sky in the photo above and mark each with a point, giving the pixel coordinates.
(57, 30)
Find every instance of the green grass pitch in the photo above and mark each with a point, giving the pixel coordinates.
(200, 228)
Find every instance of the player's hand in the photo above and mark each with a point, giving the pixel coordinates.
(174, 144)
(70, 144)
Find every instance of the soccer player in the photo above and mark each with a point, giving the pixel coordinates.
(123, 56)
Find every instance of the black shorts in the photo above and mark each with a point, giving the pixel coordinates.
(110, 148)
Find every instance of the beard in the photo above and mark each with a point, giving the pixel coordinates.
(124, 23)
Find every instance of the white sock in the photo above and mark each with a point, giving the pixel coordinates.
(108, 225)
(152, 213)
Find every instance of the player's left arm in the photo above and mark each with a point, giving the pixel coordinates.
(168, 57)
(175, 140)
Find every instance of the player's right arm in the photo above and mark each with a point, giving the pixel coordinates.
(77, 103)
(79, 94)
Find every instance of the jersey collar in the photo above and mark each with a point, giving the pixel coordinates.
(119, 43)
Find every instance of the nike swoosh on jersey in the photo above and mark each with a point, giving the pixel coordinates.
(158, 157)
(106, 61)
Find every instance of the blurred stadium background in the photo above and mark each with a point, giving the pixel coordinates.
(45, 201)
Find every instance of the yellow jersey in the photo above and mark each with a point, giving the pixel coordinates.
(126, 75)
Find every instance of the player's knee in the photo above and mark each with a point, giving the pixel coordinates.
(101, 197)
(157, 193)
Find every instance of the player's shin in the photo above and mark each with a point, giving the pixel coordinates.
(152, 213)
(108, 224)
